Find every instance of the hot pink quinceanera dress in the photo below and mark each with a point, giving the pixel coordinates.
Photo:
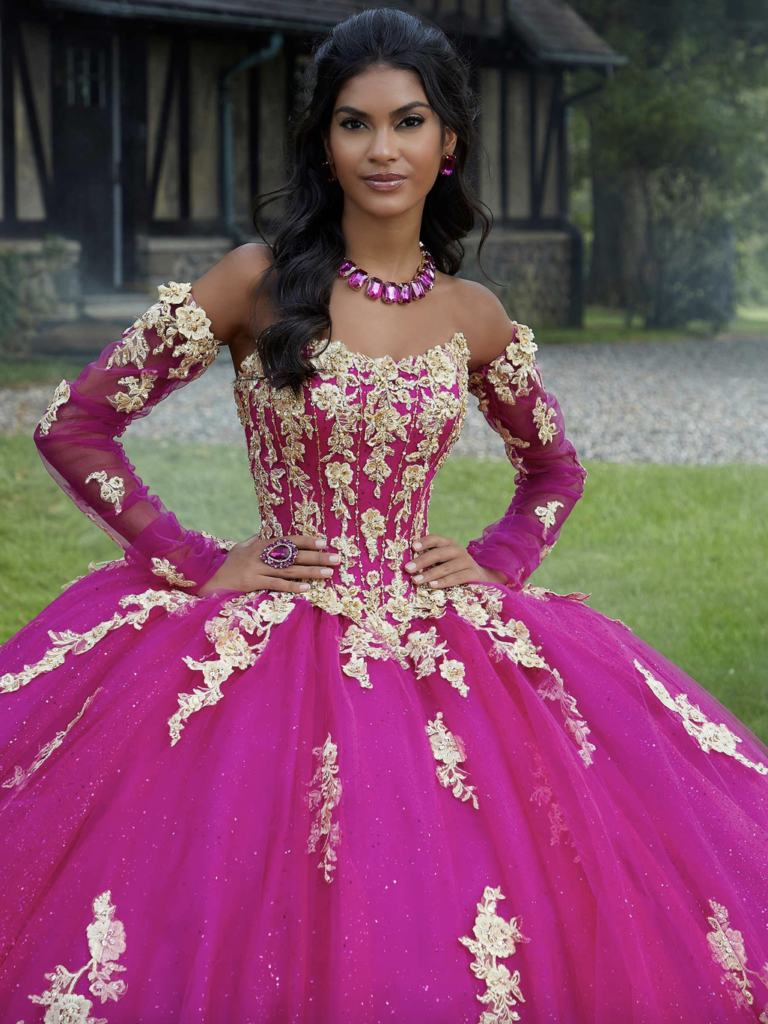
(375, 801)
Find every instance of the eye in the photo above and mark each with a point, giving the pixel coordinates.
(411, 117)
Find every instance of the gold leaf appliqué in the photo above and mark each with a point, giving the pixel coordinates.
(708, 735)
(106, 941)
(495, 940)
(325, 797)
(449, 749)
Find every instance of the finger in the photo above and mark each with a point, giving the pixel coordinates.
(300, 571)
(304, 540)
(431, 540)
(434, 556)
(450, 579)
(453, 565)
(278, 583)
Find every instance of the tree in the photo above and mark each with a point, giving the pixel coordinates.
(678, 150)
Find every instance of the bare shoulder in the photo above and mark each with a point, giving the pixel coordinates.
(490, 331)
(226, 291)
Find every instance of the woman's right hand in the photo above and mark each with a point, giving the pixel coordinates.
(245, 572)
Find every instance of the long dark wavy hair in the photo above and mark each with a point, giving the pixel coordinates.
(309, 244)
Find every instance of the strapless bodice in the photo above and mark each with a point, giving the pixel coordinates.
(352, 458)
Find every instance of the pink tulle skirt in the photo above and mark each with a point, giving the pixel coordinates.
(190, 833)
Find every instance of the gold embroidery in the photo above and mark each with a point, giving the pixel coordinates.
(325, 798)
(373, 526)
(553, 689)
(708, 735)
(95, 567)
(546, 514)
(449, 749)
(180, 325)
(542, 794)
(509, 372)
(163, 567)
(726, 945)
(106, 941)
(67, 642)
(112, 490)
(60, 396)
(383, 422)
(234, 651)
(542, 417)
(495, 940)
(224, 544)
(138, 393)
(20, 777)
(540, 593)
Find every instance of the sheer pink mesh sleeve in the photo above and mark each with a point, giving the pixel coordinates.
(550, 478)
(77, 438)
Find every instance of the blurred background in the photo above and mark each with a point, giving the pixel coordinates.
(624, 155)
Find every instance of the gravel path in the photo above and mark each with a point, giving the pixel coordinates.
(702, 402)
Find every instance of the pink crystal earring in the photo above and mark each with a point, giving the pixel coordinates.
(329, 171)
(447, 163)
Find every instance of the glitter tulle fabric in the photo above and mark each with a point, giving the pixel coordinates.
(374, 801)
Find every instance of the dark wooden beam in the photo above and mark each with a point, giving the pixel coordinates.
(161, 133)
(533, 141)
(542, 171)
(185, 114)
(254, 127)
(30, 108)
(504, 139)
(563, 203)
(133, 88)
(8, 37)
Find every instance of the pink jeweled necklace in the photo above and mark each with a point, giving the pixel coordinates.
(388, 291)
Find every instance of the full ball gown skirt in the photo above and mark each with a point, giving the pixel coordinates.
(373, 801)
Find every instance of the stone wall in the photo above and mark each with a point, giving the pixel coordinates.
(535, 270)
(177, 258)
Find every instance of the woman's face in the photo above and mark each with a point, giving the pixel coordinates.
(371, 134)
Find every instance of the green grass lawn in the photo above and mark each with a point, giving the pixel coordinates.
(608, 326)
(678, 553)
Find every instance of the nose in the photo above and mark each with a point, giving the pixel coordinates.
(383, 144)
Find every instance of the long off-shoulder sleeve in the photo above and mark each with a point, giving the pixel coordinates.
(549, 478)
(170, 345)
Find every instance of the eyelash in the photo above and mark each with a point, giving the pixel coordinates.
(356, 120)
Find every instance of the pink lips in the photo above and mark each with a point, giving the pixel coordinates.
(384, 182)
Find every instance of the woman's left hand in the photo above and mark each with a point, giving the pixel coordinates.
(442, 562)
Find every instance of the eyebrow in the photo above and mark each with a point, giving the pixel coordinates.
(392, 113)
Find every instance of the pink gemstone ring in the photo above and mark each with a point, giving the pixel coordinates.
(280, 553)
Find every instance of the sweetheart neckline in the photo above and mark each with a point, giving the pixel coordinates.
(418, 358)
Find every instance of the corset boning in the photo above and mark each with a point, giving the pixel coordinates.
(352, 458)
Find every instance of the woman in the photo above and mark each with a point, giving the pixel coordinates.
(348, 770)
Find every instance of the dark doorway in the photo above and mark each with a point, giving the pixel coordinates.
(86, 156)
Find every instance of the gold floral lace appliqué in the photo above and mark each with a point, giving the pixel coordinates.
(542, 794)
(708, 735)
(66, 642)
(20, 778)
(324, 798)
(60, 396)
(495, 940)
(111, 490)
(225, 631)
(106, 941)
(137, 394)
(165, 568)
(726, 945)
(181, 326)
(449, 749)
